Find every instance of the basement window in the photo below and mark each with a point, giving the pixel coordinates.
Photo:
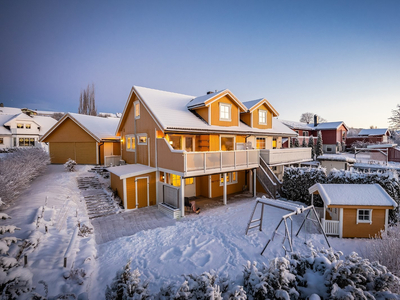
(364, 216)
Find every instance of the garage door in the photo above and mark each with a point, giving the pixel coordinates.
(85, 153)
(60, 152)
(82, 153)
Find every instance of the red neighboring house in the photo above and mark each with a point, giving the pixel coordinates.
(333, 133)
(372, 136)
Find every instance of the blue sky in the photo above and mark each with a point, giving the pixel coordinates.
(340, 59)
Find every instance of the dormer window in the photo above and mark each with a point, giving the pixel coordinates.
(137, 110)
(224, 112)
(262, 117)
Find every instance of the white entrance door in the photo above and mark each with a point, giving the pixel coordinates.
(190, 187)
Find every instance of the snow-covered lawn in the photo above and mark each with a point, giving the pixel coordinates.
(215, 239)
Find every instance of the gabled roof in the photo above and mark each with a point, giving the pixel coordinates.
(20, 118)
(207, 99)
(353, 194)
(320, 126)
(97, 127)
(254, 104)
(45, 123)
(10, 110)
(373, 132)
(3, 120)
(170, 112)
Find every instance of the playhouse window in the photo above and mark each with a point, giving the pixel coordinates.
(262, 117)
(364, 216)
(224, 112)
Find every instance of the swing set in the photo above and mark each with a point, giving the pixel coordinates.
(294, 209)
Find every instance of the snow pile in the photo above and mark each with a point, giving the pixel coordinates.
(18, 169)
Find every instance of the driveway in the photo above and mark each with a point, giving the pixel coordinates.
(128, 223)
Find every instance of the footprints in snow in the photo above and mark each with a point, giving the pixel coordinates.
(196, 252)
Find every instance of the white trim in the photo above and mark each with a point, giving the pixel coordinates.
(125, 194)
(132, 137)
(364, 221)
(228, 105)
(182, 197)
(255, 183)
(263, 111)
(224, 189)
(97, 153)
(223, 94)
(134, 109)
(148, 150)
(209, 115)
(172, 172)
(386, 219)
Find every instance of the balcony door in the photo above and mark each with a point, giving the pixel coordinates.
(227, 143)
(189, 143)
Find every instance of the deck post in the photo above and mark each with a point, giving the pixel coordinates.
(225, 200)
(250, 181)
(340, 222)
(254, 183)
(182, 197)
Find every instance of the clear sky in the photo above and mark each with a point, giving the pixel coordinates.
(339, 59)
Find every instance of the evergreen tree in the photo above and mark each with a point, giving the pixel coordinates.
(319, 150)
(311, 145)
(296, 142)
(304, 144)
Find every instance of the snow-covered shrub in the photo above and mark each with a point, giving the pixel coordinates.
(84, 230)
(18, 169)
(15, 280)
(127, 285)
(297, 181)
(70, 165)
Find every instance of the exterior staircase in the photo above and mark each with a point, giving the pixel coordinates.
(271, 184)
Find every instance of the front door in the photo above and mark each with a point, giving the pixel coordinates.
(142, 195)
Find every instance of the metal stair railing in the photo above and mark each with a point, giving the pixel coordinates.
(271, 174)
(266, 182)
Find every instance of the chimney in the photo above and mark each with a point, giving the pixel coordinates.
(2, 104)
(210, 92)
(315, 120)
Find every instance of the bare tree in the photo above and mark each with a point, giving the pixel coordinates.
(87, 103)
(308, 118)
(394, 120)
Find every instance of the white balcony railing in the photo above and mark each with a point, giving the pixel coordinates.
(112, 160)
(286, 156)
(210, 161)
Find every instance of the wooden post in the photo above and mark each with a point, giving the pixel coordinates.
(254, 183)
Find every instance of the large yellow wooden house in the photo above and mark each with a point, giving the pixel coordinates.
(178, 146)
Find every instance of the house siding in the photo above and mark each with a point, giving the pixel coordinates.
(217, 190)
(131, 190)
(362, 230)
(256, 117)
(117, 185)
(215, 112)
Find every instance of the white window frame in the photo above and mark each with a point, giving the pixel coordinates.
(132, 147)
(139, 135)
(137, 102)
(262, 112)
(231, 181)
(225, 105)
(364, 221)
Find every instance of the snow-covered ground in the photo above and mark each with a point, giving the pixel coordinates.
(215, 239)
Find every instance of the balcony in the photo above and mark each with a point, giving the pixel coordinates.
(204, 163)
(286, 156)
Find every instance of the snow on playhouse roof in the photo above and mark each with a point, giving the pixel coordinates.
(373, 132)
(171, 113)
(353, 194)
(127, 171)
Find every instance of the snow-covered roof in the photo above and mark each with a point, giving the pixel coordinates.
(251, 103)
(336, 157)
(127, 171)
(3, 120)
(45, 123)
(10, 110)
(171, 112)
(381, 146)
(320, 126)
(373, 132)
(353, 194)
(103, 128)
(200, 101)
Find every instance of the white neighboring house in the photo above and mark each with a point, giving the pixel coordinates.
(21, 130)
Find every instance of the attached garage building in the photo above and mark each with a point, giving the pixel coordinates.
(86, 139)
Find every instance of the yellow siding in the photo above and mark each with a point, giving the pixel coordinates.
(69, 131)
(131, 190)
(214, 142)
(246, 118)
(203, 112)
(363, 230)
(117, 185)
(256, 117)
(215, 112)
(218, 190)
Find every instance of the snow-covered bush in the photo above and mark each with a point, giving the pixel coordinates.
(84, 230)
(297, 181)
(70, 165)
(295, 142)
(126, 285)
(15, 280)
(18, 169)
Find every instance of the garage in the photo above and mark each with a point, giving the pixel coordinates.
(81, 138)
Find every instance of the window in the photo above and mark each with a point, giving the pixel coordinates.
(189, 181)
(175, 180)
(224, 112)
(1, 141)
(231, 178)
(25, 142)
(130, 143)
(364, 216)
(262, 116)
(28, 126)
(305, 133)
(19, 125)
(137, 109)
(142, 139)
(274, 143)
(260, 143)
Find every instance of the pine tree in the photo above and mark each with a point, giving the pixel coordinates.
(304, 144)
(311, 145)
(296, 142)
(319, 150)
